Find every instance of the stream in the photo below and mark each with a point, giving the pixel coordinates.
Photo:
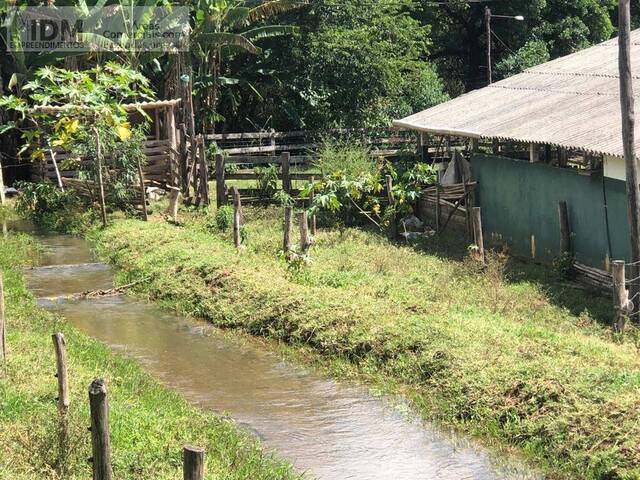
(329, 430)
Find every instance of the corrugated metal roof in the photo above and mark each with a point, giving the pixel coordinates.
(571, 102)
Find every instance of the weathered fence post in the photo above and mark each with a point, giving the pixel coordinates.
(63, 393)
(312, 195)
(204, 173)
(305, 241)
(477, 233)
(393, 227)
(143, 193)
(193, 463)
(237, 216)
(565, 229)
(286, 242)
(285, 161)
(61, 373)
(620, 296)
(103, 204)
(100, 442)
(2, 199)
(3, 326)
(221, 194)
(174, 202)
(438, 206)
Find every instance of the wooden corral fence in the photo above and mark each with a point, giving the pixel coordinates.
(382, 142)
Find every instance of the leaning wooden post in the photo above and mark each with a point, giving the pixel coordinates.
(565, 229)
(312, 195)
(143, 193)
(285, 161)
(477, 233)
(100, 442)
(204, 173)
(305, 240)
(221, 194)
(3, 326)
(63, 392)
(193, 463)
(393, 227)
(286, 242)
(620, 295)
(103, 205)
(61, 373)
(2, 199)
(237, 215)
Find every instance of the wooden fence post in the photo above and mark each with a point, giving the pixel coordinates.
(221, 194)
(237, 216)
(103, 205)
(204, 173)
(620, 295)
(477, 233)
(143, 193)
(285, 161)
(312, 195)
(193, 463)
(100, 442)
(286, 242)
(61, 373)
(565, 229)
(3, 326)
(305, 241)
(2, 199)
(393, 228)
(174, 201)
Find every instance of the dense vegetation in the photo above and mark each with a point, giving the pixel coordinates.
(149, 424)
(287, 65)
(509, 354)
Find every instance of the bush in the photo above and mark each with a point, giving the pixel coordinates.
(221, 220)
(52, 208)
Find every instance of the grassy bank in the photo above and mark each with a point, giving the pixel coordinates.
(149, 424)
(498, 355)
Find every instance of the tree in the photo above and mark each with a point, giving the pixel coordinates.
(348, 66)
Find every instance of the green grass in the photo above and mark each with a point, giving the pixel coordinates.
(508, 354)
(149, 423)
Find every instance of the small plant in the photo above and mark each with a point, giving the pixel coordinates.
(564, 265)
(267, 182)
(221, 221)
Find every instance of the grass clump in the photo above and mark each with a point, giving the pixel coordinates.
(149, 423)
(503, 353)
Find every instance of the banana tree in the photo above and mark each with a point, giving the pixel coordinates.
(224, 28)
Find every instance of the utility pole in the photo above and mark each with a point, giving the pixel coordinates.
(628, 143)
(487, 21)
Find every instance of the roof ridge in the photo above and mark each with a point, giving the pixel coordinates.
(572, 74)
(569, 92)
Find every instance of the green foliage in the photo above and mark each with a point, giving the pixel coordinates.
(352, 182)
(222, 219)
(52, 208)
(90, 114)
(267, 181)
(564, 265)
(531, 54)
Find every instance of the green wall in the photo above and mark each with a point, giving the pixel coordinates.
(520, 199)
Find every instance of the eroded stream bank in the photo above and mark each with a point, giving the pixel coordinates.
(327, 429)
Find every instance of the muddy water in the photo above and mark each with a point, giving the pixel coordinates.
(329, 430)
